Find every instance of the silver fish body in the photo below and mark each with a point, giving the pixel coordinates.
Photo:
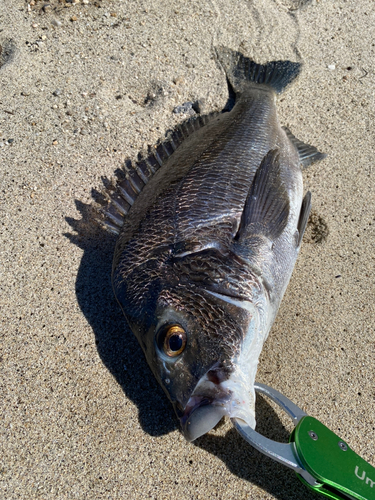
(208, 246)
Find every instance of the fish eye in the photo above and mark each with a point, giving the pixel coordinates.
(172, 340)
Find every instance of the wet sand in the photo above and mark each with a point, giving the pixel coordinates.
(83, 87)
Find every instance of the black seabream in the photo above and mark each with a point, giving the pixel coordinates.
(209, 231)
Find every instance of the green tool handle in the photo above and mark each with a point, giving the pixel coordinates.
(340, 472)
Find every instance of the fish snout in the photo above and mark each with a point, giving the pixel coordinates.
(219, 393)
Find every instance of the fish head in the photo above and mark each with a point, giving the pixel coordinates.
(202, 346)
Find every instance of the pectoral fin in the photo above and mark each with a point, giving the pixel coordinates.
(266, 208)
(303, 217)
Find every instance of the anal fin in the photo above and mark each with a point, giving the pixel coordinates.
(266, 208)
(303, 217)
(307, 154)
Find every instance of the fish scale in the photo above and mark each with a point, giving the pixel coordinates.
(225, 171)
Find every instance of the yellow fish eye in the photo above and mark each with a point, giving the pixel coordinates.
(174, 341)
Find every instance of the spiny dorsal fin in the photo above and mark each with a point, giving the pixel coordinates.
(121, 194)
(266, 208)
(307, 154)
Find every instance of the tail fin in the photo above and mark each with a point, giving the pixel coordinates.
(239, 70)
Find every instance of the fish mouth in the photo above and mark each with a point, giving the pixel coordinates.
(201, 415)
(211, 401)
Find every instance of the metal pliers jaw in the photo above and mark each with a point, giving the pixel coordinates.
(285, 453)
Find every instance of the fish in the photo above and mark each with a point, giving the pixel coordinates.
(209, 228)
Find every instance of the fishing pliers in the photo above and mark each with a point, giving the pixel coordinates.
(322, 460)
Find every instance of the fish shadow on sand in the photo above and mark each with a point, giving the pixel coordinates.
(117, 347)
(247, 463)
(121, 354)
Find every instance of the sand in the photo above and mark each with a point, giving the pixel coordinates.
(85, 86)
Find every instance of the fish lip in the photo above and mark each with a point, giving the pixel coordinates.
(203, 416)
(196, 402)
(202, 412)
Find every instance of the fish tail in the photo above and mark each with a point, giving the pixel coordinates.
(240, 70)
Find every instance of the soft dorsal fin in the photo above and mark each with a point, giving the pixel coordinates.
(303, 216)
(307, 154)
(266, 208)
(122, 193)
